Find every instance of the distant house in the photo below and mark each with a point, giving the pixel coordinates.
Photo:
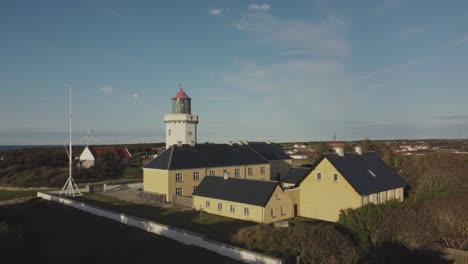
(302, 146)
(251, 200)
(91, 153)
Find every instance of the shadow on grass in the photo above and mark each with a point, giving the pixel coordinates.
(391, 252)
(212, 226)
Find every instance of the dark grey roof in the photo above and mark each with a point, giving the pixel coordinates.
(205, 155)
(252, 192)
(359, 171)
(297, 174)
(269, 151)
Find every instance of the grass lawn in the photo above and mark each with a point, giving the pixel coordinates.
(213, 226)
(39, 231)
(8, 195)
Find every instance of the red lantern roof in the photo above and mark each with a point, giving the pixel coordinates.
(181, 94)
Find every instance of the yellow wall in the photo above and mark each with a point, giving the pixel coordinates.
(156, 181)
(275, 203)
(294, 196)
(323, 199)
(257, 214)
(392, 194)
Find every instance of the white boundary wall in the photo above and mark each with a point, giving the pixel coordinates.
(179, 235)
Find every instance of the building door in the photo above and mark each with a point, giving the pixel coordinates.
(295, 210)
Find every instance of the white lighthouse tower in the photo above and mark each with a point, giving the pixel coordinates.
(181, 125)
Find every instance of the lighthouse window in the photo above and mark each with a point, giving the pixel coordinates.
(190, 133)
(169, 132)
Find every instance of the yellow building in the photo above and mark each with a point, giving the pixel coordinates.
(347, 180)
(250, 200)
(181, 168)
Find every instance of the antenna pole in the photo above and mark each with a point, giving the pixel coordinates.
(70, 131)
(70, 186)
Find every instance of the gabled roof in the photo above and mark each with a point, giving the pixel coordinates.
(269, 151)
(252, 192)
(205, 156)
(367, 173)
(296, 175)
(121, 153)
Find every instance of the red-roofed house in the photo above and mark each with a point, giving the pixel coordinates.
(89, 155)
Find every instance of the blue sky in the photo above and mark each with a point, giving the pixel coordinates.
(256, 70)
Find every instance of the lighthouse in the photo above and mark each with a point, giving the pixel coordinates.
(181, 125)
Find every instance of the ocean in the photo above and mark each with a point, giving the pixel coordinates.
(15, 147)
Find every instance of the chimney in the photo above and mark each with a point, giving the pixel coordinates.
(179, 143)
(339, 151)
(268, 141)
(226, 175)
(358, 150)
(229, 142)
(192, 143)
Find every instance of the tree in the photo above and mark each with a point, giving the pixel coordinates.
(321, 243)
(107, 165)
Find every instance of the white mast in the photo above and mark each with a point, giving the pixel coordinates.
(70, 188)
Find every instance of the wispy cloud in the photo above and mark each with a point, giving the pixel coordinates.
(402, 36)
(463, 40)
(136, 96)
(325, 37)
(452, 117)
(392, 68)
(106, 89)
(262, 7)
(111, 12)
(385, 6)
(216, 11)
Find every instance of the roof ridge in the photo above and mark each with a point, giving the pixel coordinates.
(274, 145)
(170, 157)
(258, 153)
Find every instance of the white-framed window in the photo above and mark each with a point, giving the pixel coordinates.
(319, 176)
(220, 206)
(207, 204)
(262, 170)
(232, 208)
(250, 171)
(246, 211)
(196, 175)
(195, 187)
(335, 177)
(273, 212)
(179, 177)
(178, 191)
(283, 210)
(212, 173)
(377, 197)
(278, 196)
(237, 172)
